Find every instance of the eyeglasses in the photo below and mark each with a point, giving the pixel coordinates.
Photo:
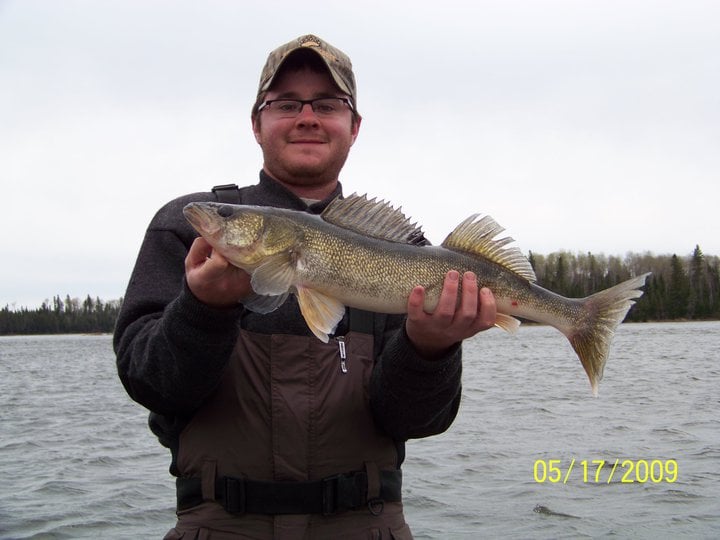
(290, 108)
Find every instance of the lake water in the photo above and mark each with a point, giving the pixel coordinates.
(77, 459)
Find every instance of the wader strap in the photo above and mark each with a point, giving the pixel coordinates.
(208, 475)
(328, 496)
(227, 193)
(373, 480)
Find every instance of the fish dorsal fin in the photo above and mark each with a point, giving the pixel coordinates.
(377, 219)
(476, 237)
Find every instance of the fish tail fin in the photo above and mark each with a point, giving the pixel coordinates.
(603, 312)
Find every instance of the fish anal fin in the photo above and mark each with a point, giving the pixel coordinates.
(322, 313)
(377, 219)
(506, 322)
(476, 237)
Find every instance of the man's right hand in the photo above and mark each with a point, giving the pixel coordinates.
(212, 279)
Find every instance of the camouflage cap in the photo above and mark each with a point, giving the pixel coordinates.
(337, 62)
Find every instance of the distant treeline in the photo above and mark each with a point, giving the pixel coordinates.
(69, 316)
(679, 288)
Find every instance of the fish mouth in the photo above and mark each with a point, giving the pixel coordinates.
(205, 220)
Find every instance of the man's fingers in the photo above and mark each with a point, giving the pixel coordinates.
(416, 302)
(488, 309)
(447, 304)
(469, 297)
(199, 252)
(451, 321)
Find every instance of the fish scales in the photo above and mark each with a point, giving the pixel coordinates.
(369, 274)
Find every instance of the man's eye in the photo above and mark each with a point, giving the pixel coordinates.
(286, 106)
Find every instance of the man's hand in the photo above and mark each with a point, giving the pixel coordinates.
(433, 333)
(212, 279)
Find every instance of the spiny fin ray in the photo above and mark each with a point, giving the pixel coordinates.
(377, 219)
(476, 237)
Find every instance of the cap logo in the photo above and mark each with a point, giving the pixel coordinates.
(309, 41)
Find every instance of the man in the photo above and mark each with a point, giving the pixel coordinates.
(273, 433)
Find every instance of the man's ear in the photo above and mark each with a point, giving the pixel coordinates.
(355, 129)
(256, 129)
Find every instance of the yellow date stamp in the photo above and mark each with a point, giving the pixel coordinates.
(597, 471)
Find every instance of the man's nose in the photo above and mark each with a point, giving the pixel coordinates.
(306, 114)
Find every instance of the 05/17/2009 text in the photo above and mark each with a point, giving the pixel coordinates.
(596, 471)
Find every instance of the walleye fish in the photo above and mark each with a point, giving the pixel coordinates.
(366, 254)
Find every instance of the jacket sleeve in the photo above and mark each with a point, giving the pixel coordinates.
(412, 397)
(171, 349)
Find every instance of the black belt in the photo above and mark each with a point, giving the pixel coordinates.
(328, 496)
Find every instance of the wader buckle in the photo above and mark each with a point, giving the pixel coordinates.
(342, 492)
(234, 495)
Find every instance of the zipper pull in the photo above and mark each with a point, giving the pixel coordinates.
(343, 355)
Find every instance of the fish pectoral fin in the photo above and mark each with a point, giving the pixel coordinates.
(322, 313)
(507, 323)
(260, 303)
(274, 276)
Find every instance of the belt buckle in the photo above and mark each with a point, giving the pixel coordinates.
(234, 495)
(330, 494)
(343, 492)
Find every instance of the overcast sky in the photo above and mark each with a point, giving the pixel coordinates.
(578, 125)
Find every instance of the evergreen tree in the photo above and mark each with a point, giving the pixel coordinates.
(713, 272)
(698, 307)
(677, 291)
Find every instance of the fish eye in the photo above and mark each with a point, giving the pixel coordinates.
(225, 211)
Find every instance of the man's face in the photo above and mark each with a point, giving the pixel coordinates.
(306, 150)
